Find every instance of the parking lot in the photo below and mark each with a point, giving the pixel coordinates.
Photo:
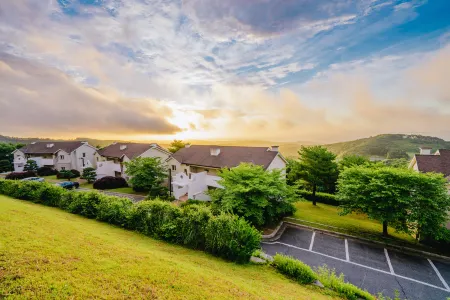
(368, 266)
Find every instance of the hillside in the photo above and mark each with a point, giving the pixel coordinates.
(381, 145)
(47, 253)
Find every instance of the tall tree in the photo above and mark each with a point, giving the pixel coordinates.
(177, 145)
(147, 175)
(5, 165)
(317, 167)
(30, 165)
(352, 160)
(89, 174)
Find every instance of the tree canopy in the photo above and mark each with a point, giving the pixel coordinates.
(30, 165)
(147, 175)
(261, 197)
(89, 174)
(177, 145)
(352, 160)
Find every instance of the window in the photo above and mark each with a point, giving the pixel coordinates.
(84, 154)
(63, 168)
(190, 175)
(174, 167)
(61, 157)
(97, 158)
(185, 171)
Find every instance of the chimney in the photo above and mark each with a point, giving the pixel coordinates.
(50, 145)
(215, 151)
(425, 150)
(274, 148)
(123, 147)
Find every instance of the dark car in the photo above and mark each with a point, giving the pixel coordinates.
(68, 184)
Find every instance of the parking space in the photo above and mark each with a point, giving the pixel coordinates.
(368, 266)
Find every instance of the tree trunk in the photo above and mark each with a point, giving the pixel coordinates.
(385, 228)
(314, 195)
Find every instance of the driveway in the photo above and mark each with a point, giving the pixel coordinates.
(132, 197)
(370, 267)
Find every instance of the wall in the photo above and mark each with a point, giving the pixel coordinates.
(153, 152)
(90, 156)
(277, 163)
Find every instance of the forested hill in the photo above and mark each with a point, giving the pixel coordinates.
(388, 145)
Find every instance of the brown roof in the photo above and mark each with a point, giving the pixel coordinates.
(229, 156)
(435, 163)
(44, 147)
(132, 150)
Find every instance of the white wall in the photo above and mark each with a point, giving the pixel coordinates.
(154, 152)
(277, 163)
(89, 156)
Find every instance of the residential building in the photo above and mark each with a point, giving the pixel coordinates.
(194, 169)
(438, 162)
(110, 160)
(58, 155)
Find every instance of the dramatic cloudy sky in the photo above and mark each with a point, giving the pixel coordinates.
(282, 70)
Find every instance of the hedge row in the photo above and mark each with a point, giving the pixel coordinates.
(194, 226)
(320, 197)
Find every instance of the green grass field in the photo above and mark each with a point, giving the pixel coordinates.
(47, 253)
(354, 224)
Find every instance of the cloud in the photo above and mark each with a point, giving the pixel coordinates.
(37, 100)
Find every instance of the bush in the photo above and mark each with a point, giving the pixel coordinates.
(46, 171)
(330, 280)
(114, 210)
(294, 269)
(231, 237)
(110, 182)
(20, 175)
(320, 197)
(85, 204)
(192, 225)
(68, 174)
(89, 174)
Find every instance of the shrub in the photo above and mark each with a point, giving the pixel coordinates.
(190, 202)
(31, 165)
(114, 210)
(294, 269)
(68, 174)
(231, 237)
(89, 174)
(192, 225)
(84, 204)
(110, 182)
(330, 280)
(51, 195)
(20, 175)
(320, 197)
(46, 171)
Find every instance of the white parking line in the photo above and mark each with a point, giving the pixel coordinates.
(347, 256)
(356, 264)
(388, 261)
(312, 241)
(439, 275)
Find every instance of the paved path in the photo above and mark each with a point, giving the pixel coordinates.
(132, 197)
(370, 267)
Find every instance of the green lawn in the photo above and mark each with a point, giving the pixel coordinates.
(354, 224)
(47, 253)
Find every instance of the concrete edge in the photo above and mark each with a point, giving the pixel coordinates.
(284, 224)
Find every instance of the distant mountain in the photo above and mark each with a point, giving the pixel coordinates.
(385, 145)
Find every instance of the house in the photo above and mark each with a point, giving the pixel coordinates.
(58, 155)
(194, 169)
(111, 158)
(438, 162)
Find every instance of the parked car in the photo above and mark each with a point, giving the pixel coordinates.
(68, 184)
(38, 179)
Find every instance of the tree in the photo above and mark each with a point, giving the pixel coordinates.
(352, 160)
(67, 174)
(147, 175)
(89, 174)
(397, 153)
(316, 166)
(177, 145)
(261, 197)
(5, 165)
(6, 150)
(397, 163)
(30, 165)
(406, 200)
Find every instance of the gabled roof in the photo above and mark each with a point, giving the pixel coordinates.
(439, 162)
(51, 147)
(229, 156)
(131, 150)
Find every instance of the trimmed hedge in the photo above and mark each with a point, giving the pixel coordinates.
(20, 175)
(110, 182)
(320, 197)
(194, 226)
(62, 174)
(46, 171)
(294, 269)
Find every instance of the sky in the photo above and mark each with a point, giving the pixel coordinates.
(275, 70)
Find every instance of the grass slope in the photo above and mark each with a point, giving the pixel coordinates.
(48, 253)
(380, 145)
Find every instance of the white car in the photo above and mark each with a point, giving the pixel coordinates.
(38, 179)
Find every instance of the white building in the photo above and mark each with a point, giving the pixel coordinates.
(194, 168)
(58, 155)
(110, 160)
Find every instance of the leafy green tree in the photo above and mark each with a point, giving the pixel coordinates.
(397, 163)
(67, 174)
(317, 167)
(30, 165)
(261, 197)
(147, 175)
(397, 153)
(406, 200)
(89, 174)
(352, 160)
(6, 150)
(177, 145)
(5, 165)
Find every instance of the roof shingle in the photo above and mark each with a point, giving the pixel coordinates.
(132, 150)
(435, 163)
(43, 147)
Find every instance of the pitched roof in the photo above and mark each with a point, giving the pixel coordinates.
(131, 150)
(229, 156)
(439, 163)
(50, 147)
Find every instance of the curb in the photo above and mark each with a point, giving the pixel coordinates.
(284, 224)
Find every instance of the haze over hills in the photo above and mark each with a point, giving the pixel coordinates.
(380, 146)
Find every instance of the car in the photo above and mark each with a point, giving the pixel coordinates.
(38, 179)
(68, 184)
